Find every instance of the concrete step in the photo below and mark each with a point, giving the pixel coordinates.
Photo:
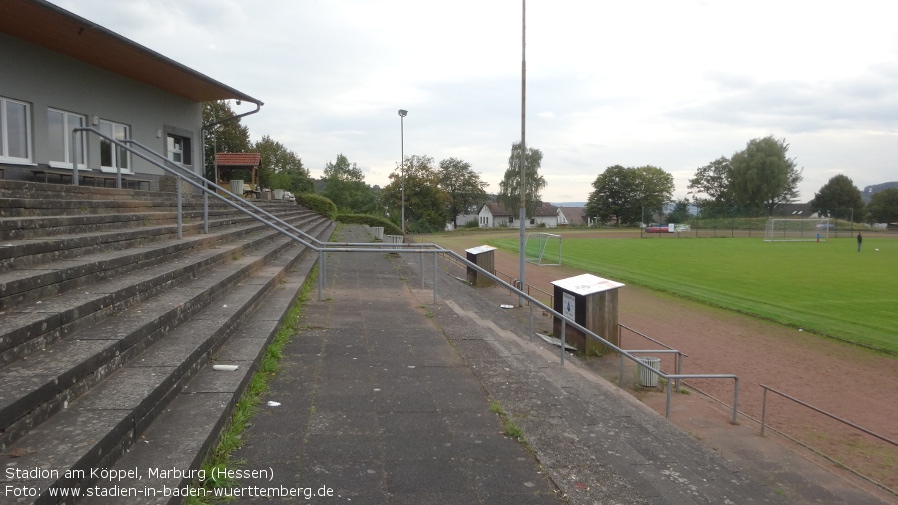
(94, 430)
(29, 327)
(100, 256)
(73, 241)
(44, 374)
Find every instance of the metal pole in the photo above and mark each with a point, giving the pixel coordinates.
(763, 409)
(320, 275)
(531, 322)
(735, 398)
(421, 264)
(402, 114)
(679, 369)
(667, 407)
(180, 210)
(523, 212)
(75, 159)
(434, 277)
(563, 338)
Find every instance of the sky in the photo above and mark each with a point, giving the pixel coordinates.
(674, 84)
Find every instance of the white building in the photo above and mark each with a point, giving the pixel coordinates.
(495, 215)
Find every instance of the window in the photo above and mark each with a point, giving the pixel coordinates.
(178, 149)
(113, 157)
(61, 124)
(15, 131)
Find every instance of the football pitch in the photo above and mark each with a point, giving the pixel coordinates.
(828, 287)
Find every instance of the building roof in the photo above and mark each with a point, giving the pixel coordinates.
(46, 25)
(574, 215)
(545, 209)
(238, 159)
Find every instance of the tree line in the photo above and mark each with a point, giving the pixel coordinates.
(758, 178)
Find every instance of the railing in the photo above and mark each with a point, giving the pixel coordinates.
(680, 354)
(831, 416)
(815, 409)
(323, 248)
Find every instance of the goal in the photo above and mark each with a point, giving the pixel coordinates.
(797, 230)
(543, 248)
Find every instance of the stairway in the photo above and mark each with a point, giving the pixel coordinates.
(110, 326)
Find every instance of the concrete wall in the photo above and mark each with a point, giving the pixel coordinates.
(46, 79)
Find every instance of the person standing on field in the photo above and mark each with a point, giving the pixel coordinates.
(859, 240)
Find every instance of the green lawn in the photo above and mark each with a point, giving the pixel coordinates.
(828, 288)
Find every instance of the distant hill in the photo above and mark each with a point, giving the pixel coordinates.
(569, 204)
(869, 191)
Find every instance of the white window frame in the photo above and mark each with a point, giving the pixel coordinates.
(114, 127)
(67, 127)
(4, 134)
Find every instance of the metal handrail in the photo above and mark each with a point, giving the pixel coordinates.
(816, 409)
(680, 354)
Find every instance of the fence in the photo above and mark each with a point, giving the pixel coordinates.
(714, 221)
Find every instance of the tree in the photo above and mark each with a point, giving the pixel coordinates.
(883, 206)
(623, 194)
(680, 212)
(839, 198)
(463, 187)
(762, 175)
(713, 180)
(344, 184)
(281, 167)
(227, 137)
(425, 202)
(510, 187)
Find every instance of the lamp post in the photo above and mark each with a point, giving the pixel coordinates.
(402, 114)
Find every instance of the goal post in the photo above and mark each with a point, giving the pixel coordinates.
(543, 248)
(797, 230)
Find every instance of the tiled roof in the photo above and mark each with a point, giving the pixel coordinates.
(238, 159)
(574, 215)
(546, 209)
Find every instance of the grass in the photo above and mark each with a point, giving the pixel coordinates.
(827, 288)
(232, 437)
(511, 429)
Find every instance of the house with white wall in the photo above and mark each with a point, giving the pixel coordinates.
(495, 215)
(59, 71)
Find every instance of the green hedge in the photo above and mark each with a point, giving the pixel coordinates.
(389, 228)
(317, 204)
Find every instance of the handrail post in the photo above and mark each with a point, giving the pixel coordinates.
(205, 209)
(434, 276)
(180, 211)
(421, 265)
(667, 407)
(563, 338)
(735, 398)
(620, 379)
(531, 322)
(320, 274)
(763, 409)
(74, 158)
(679, 370)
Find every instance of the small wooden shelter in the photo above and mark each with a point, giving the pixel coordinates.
(227, 164)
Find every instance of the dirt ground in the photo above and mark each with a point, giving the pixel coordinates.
(853, 383)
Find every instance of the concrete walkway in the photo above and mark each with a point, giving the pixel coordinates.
(386, 398)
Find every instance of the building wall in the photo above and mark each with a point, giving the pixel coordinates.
(46, 79)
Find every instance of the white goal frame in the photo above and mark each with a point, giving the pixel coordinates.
(797, 230)
(543, 243)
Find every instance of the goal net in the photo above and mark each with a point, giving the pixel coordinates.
(543, 248)
(797, 230)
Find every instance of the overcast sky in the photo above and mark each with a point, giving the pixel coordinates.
(670, 83)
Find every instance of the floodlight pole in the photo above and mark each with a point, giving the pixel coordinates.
(402, 114)
(523, 210)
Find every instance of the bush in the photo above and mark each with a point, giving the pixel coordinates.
(389, 227)
(317, 204)
(471, 224)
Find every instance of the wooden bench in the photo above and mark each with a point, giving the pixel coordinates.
(87, 175)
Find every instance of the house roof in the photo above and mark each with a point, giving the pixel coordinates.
(574, 215)
(46, 25)
(238, 159)
(545, 209)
